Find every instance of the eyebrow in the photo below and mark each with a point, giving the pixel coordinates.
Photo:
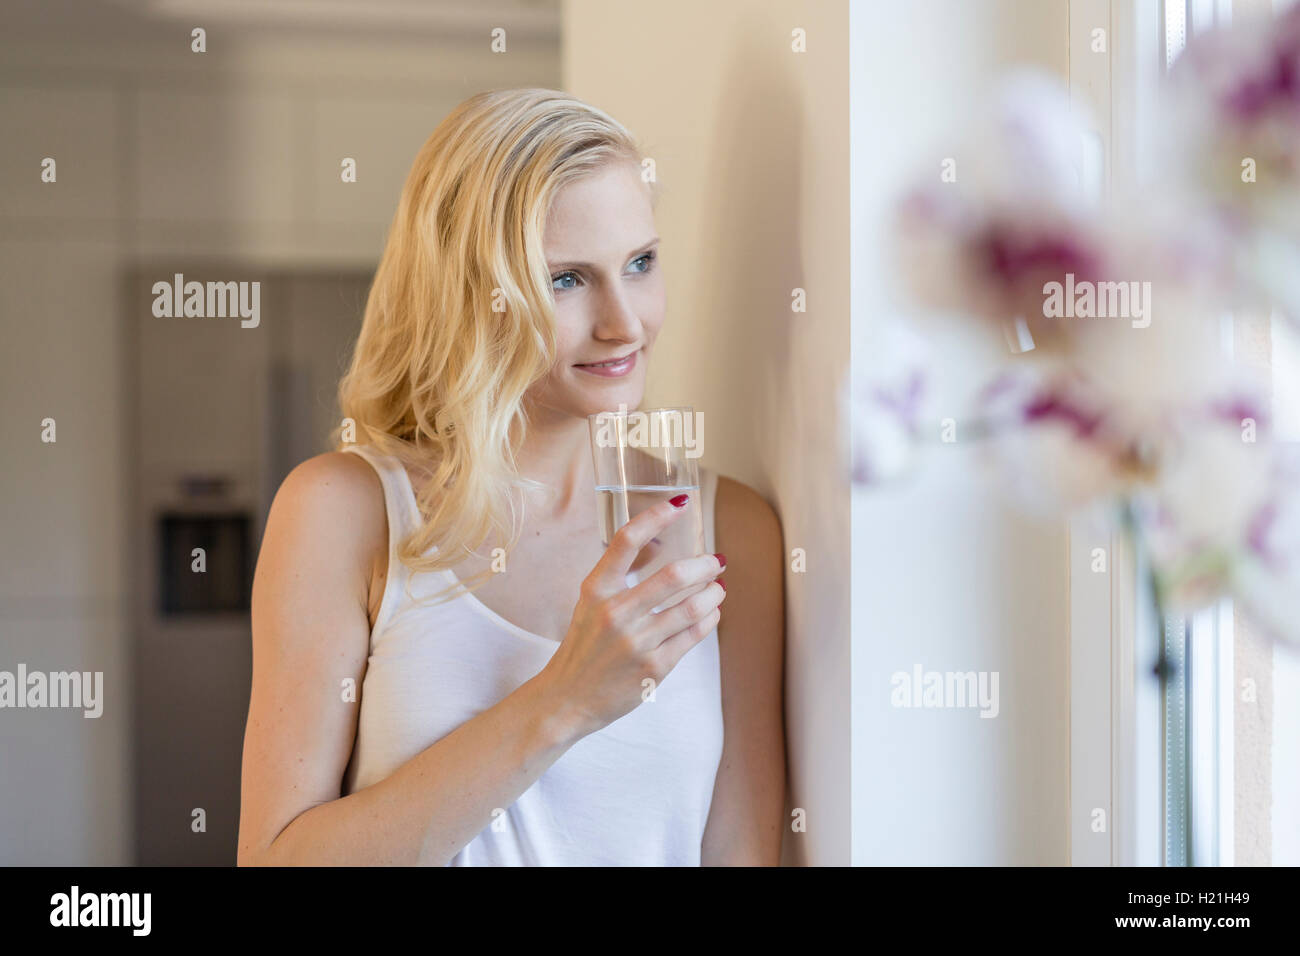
(587, 265)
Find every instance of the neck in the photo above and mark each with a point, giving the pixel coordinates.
(556, 451)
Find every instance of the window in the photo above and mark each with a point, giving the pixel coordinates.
(1205, 703)
(1193, 752)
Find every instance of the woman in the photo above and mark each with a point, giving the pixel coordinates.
(397, 718)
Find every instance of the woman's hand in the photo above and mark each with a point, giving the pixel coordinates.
(614, 641)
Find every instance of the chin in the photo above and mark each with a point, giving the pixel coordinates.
(608, 399)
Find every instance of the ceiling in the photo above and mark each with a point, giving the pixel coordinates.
(441, 19)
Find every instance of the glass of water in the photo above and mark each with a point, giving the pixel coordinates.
(642, 458)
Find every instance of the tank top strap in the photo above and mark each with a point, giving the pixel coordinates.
(708, 495)
(403, 515)
(399, 497)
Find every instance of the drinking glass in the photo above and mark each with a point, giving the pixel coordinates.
(642, 458)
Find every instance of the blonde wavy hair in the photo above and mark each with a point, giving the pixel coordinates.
(460, 319)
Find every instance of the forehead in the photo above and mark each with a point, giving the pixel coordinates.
(609, 208)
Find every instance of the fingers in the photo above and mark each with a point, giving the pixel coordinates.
(647, 556)
(685, 614)
(609, 576)
(673, 578)
(674, 649)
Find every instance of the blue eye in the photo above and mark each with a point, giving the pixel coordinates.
(570, 280)
(648, 259)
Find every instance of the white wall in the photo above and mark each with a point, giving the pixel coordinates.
(751, 145)
(162, 153)
(945, 574)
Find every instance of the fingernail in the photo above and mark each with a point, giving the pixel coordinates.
(678, 501)
(722, 559)
(724, 586)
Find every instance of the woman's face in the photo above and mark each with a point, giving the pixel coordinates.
(601, 249)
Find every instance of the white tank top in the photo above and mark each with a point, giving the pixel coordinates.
(636, 792)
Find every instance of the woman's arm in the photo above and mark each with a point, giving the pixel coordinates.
(311, 632)
(747, 817)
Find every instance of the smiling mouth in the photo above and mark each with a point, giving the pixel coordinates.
(611, 367)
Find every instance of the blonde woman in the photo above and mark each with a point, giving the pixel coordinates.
(413, 702)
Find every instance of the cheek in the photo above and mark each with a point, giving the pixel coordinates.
(653, 310)
(569, 337)
(653, 324)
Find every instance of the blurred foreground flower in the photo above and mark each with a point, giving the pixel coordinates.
(1010, 216)
(1231, 149)
(1225, 520)
(1114, 387)
(887, 404)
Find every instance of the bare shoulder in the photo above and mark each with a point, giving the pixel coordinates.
(336, 492)
(748, 531)
(328, 522)
(743, 516)
(333, 477)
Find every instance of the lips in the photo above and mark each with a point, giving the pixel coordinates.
(611, 368)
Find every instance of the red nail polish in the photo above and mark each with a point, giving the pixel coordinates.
(724, 586)
(678, 501)
(722, 559)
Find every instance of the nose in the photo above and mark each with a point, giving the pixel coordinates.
(616, 320)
